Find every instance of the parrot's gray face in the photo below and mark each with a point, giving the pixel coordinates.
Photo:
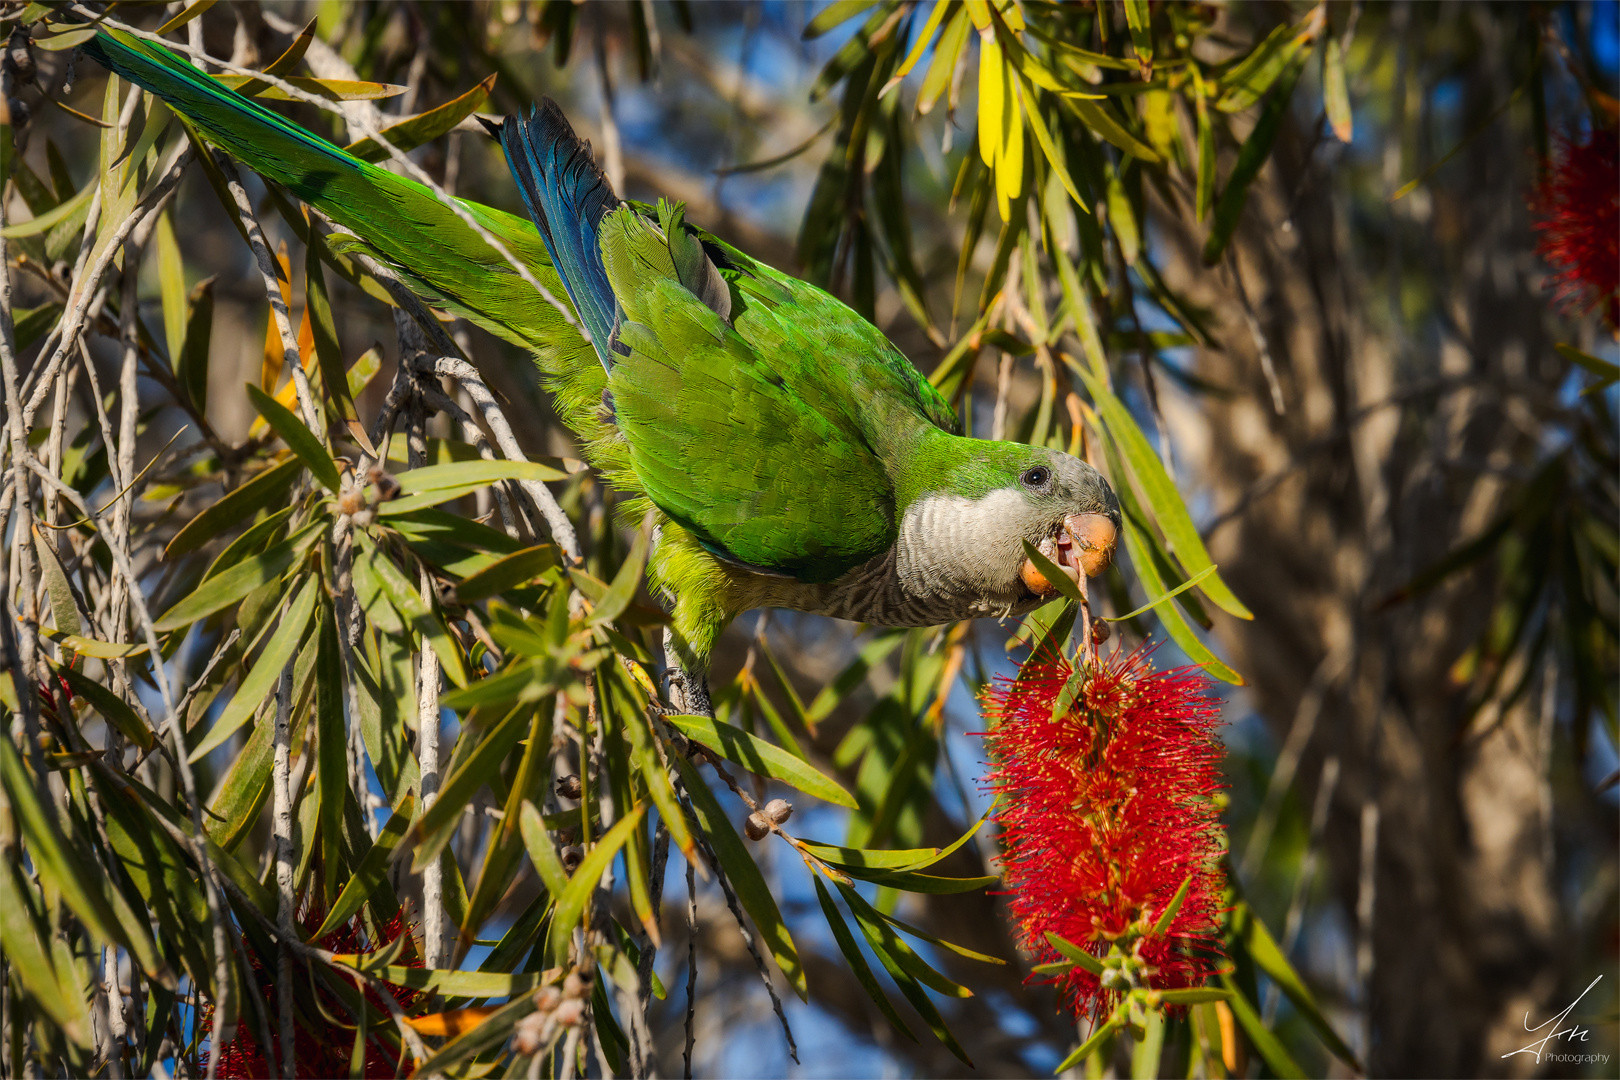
(1070, 514)
(960, 557)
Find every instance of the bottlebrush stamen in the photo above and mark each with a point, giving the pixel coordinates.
(1106, 810)
(1578, 210)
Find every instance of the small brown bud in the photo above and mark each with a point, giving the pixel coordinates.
(531, 1031)
(574, 986)
(351, 500)
(756, 826)
(547, 998)
(569, 787)
(387, 487)
(1100, 632)
(778, 810)
(572, 856)
(570, 1012)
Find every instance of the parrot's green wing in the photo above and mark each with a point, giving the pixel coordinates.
(752, 433)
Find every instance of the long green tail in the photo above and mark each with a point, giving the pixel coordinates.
(433, 250)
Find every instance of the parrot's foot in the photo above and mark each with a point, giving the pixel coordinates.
(688, 683)
(689, 692)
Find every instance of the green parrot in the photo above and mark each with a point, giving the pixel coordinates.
(794, 458)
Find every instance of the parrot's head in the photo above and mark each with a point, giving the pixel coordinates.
(1069, 513)
(965, 537)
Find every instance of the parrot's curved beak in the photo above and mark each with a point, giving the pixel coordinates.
(1085, 545)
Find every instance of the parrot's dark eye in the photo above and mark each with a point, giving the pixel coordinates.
(1038, 478)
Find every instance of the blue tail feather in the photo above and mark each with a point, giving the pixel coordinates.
(567, 196)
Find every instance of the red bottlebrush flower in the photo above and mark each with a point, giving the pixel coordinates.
(321, 1046)
(1105, 810)
(1578, 209)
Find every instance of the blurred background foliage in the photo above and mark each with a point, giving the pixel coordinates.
(1270, 266)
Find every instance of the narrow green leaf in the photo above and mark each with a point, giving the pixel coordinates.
(1168, 916)
(1097, 117)
(625, 583)
(468, 475)
(232, 585)
(424, 127)
(924, 935)
(1252, 156)
(112, 708)
(508, 572)
(481, 766)
(586, 877)
(865, 859)
(541, 850)
(1252, 76)
(1072, 686)
(1336, 92)
(29, 959)
(1269, 1047)
(761, 758)
(189, 12)
(331, 89)
(373, 869)
(468, 984)
(1075, 953)
(955, 845)
(852, 953)
(1170, 617)
(60, 213)
(1139, 18)
(1206, 150)
(1123, 219)
(415, 610)
(1194, 995)
(328, 352)
(260, 681)
(263, 490)
(56, 857)
(835, 14)
(1161, 494)
(1146, 1053)
(64, 608)
(331, 745)
(172, 284)
(908, 984)
(298, 438)
(234, 808)
(1268, 956)
(491, 1034)
(1089, 1047)
(192, 365)
(745, 877)
(908, 881)
(1037, 124)
(1178, 590)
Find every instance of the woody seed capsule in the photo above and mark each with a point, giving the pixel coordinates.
(756, 826)
(568, 787)
(778, 810)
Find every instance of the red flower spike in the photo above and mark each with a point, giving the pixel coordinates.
(1105, 811)
(1578, 206)
(321, 1047)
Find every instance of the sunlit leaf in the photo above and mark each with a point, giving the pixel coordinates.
(760, 757)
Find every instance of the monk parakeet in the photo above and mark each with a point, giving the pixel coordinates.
(794, 457)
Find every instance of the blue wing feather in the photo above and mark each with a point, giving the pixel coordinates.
(567, 196)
